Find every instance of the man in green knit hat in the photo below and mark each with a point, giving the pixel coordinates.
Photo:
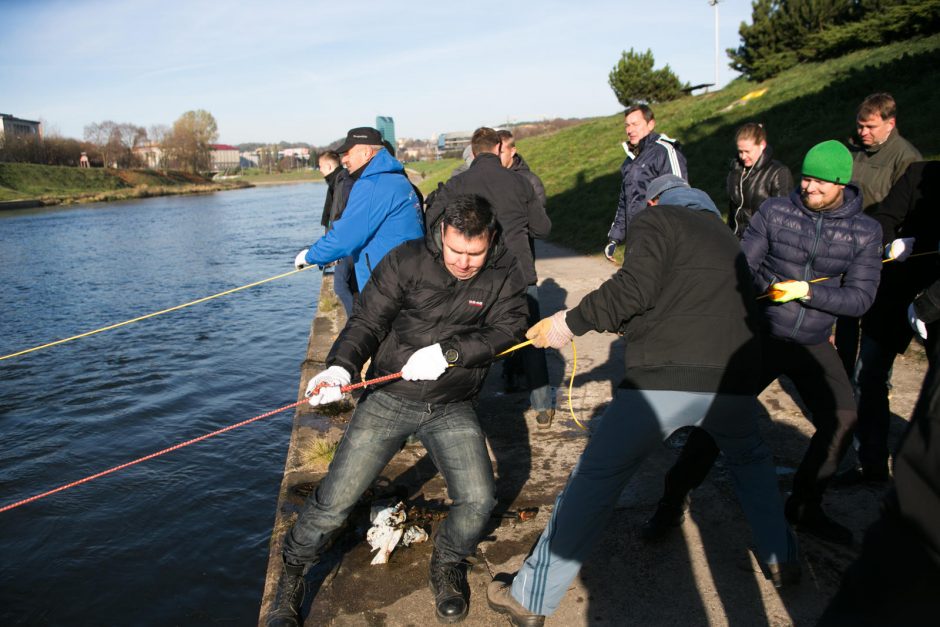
(815, 255)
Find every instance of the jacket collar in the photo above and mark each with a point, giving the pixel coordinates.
(851, 204)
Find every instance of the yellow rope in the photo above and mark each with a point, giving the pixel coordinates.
(826, 278)
(574, 368)
(151, 315)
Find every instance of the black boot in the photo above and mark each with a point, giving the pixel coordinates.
(290, 596)
(667, 517)
(808, 517)
(448, 583)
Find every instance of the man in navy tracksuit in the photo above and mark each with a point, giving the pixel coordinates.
(820, 256)
(649, 156)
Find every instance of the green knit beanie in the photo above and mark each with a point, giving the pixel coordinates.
(829, 161)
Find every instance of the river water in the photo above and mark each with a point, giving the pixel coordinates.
(181, 539)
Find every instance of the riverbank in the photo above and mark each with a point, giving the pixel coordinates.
(30, 185)
(704, 573)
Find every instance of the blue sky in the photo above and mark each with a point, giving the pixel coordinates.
(308, 71)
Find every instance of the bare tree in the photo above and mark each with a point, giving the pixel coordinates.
(190, 140)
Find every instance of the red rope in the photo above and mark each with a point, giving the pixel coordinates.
(66, 486)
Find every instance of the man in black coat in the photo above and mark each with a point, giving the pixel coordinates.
(684, 302)
(814, 256)
(910, 223)
(338, 184)
(521, 216)
(438, 310)
(897, 575)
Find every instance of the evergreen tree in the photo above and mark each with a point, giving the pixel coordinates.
(634, 80)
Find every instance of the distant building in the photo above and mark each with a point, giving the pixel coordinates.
(150, 155)
(453, 143)
(17, 127)
(299, 153)
(249, 159)
(386, 126)
(223, 157)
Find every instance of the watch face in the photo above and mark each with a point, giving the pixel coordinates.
(451, 356)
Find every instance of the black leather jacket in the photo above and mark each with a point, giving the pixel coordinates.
(749, 187)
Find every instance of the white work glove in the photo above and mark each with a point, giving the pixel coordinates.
(324, 388)
(916, 323)
(900, 249)
(426, 364)
(551, 332)
(609, 250)
(300, 261)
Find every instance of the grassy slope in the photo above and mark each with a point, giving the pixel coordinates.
(808, 104)
(430, 173)
(25, 180)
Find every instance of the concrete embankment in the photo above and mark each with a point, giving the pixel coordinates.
(703, 574)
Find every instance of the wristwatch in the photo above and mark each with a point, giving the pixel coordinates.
(450, 354)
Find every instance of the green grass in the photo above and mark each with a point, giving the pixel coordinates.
(427, 174)
(256, 176)
(803, 106)
(55, 184)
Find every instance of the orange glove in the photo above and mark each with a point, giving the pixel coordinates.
(785, 291)
(551, 332)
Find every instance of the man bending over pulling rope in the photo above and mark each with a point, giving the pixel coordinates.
(444, 307)
(684, 301)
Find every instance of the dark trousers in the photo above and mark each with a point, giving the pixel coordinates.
(847, 335)
(530, 361)
(819, 377)
(872, 379)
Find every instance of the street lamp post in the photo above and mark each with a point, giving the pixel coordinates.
(714, 3)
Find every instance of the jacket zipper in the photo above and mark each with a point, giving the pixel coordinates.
(806, 273)
(737, 212)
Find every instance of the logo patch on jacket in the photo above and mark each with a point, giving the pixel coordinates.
(475, 303)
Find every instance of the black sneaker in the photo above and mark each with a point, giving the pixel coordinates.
(290, 596)
(448, 583)
(544, 418)
(500, 599)
(811, 519)
(858, 476)
(666, 518)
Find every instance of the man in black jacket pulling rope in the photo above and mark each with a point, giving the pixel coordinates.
(438, 309)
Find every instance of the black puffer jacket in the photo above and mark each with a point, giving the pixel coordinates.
(412, 301)
(787, 241)
(684, 303)
(520, 166)
(519, 213)
(749, 187)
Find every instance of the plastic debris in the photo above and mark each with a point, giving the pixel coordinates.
(389, 529)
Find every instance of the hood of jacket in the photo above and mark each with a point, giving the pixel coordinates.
(433, 242)
(690, 198)
(519, 164)
(381, 163)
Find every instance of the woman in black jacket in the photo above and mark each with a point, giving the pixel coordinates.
(755, 176)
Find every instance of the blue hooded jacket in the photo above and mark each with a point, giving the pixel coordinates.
(382, 212)
(787, 241)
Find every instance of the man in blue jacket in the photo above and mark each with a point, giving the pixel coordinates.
(649, 156)
(814, 256)
(382, 211)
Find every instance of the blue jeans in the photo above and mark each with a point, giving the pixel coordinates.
(632, 426)
(451, 434)
(344, 277)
